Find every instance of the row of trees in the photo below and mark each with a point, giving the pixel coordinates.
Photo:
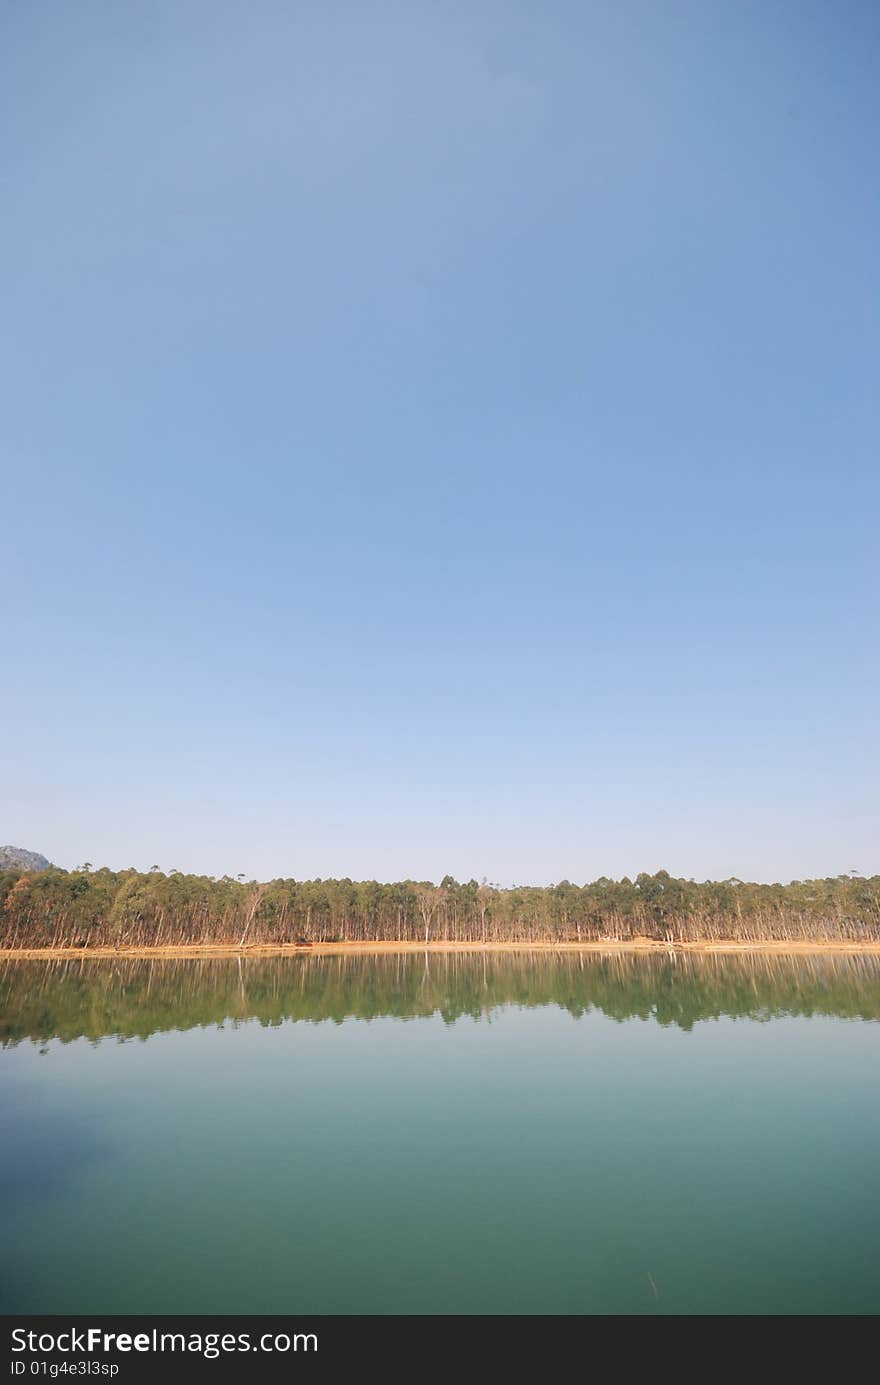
(100, 908)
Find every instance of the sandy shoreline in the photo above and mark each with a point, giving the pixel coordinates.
(198, 950)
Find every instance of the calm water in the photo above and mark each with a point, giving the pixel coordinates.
(507, 1134)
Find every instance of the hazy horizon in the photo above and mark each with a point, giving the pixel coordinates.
(441, 439)
(438, 876)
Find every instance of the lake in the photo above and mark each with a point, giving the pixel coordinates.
(483, 1133)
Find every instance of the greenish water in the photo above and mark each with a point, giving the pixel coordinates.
(489, 1134)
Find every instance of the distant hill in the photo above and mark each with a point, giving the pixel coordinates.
(16, 858)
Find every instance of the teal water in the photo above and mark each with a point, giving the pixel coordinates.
(511, 1134)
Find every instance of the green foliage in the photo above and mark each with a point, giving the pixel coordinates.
(129, 908)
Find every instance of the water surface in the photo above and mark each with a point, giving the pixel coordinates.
(504, 1133)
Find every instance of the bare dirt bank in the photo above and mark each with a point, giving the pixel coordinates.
(384, 948)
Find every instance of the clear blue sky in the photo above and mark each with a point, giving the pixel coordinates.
(441, 437)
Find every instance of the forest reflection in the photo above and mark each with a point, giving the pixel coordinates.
(133, 998)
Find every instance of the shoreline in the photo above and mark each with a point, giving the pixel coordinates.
(199, 951)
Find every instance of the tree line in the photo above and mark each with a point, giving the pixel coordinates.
(130, 908)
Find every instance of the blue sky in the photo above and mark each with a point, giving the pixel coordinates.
(441, 437)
